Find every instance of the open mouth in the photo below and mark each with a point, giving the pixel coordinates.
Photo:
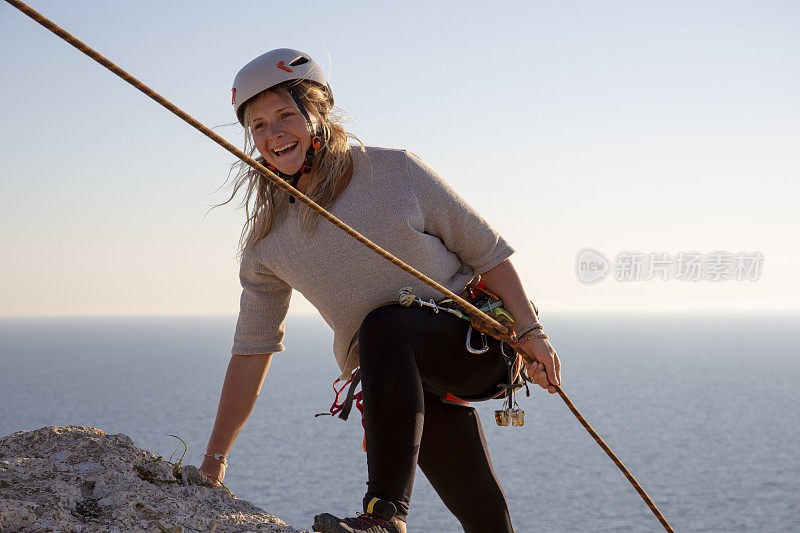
(285, 149)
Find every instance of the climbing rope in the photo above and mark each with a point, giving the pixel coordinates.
(480, 318)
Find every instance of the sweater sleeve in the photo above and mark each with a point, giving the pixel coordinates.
(262, 309)
(450, 218)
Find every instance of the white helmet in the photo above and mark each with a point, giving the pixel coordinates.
(270, 69)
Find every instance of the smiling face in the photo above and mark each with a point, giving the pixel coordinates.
(279, 131)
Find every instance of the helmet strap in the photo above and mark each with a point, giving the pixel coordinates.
(294, 178)
(317, 141)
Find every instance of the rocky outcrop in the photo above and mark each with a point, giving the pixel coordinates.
(78, 479)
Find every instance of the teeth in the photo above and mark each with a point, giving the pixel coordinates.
(285, 147)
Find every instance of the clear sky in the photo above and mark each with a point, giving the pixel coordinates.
(622, 126)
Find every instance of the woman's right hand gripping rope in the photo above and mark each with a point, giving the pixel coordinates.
(542, 364)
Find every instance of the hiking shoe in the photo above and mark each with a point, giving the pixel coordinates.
(363, 523)
(378, 521)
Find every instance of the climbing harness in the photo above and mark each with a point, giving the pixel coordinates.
(479, 296)
(483, 299)
(478, 318)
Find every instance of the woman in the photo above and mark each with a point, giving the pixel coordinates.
(408, 357)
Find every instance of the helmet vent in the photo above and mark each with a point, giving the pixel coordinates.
(299, 61)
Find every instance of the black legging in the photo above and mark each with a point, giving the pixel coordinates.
(401, 349)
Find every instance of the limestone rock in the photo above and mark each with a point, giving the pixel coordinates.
(77, 479)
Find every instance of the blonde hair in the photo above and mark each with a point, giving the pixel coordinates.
(264, 203)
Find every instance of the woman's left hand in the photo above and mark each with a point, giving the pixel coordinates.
(541, 363)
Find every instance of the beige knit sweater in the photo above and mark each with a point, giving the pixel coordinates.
(399, 203)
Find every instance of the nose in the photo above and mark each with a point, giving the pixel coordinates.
(274, 131)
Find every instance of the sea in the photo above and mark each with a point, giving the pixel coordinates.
(704, 410)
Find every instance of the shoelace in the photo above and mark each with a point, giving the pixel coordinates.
(366, 519)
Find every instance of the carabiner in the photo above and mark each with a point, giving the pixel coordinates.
(477, 351)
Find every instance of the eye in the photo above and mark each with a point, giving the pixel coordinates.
(287, 114)
(257, 126)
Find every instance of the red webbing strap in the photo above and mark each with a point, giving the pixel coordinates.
(343, 407)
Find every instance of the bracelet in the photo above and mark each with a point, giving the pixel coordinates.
(530, 327)
(218, 456)
(529, 337)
